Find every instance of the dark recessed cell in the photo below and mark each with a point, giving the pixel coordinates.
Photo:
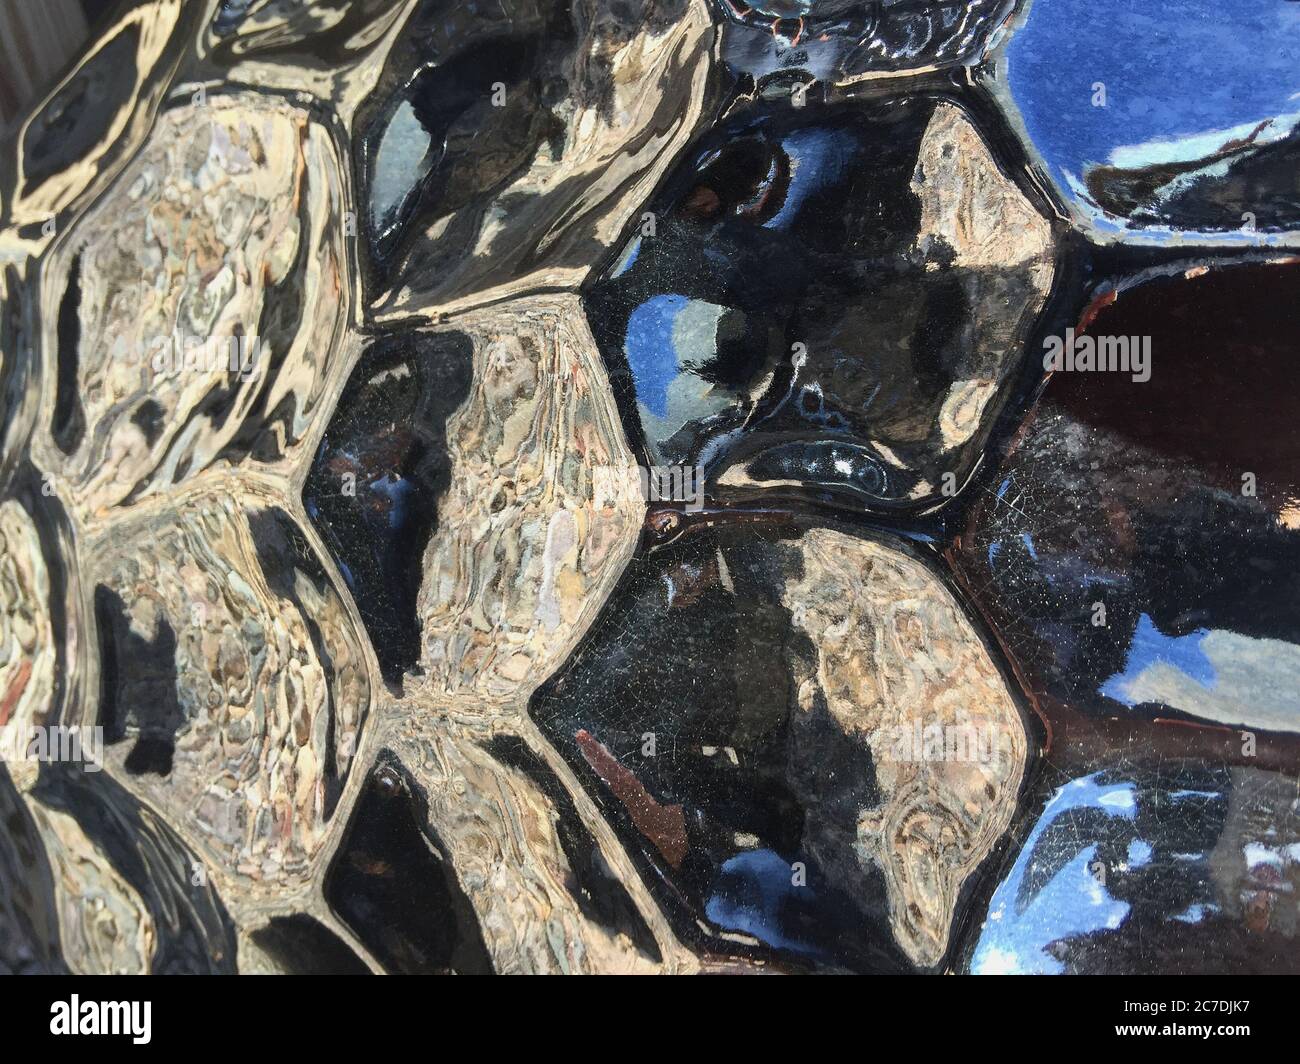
(1138, 551)
(302, 945)
(79, 116)
(29, 923)
(681, 715)
(1161, 868)
(792, 315)
(393, 884)
(597, 889)
(501, 140)
(194, 933)
(437, 143)
(137, 682)
(406, 171)
(373, 488)
(69, 423)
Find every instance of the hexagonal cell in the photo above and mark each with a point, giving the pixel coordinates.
(832, 301)
(33, 662)
(194, 313)
(506, 146)
(539, 881)
(44, 666)
(1138, 549)
(456, 487)
(233, 687)
(755, 711)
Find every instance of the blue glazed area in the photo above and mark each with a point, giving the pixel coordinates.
(1173, 70)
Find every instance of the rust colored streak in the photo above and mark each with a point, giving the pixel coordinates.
(664, 825)
(16, 688)
(1094, 308)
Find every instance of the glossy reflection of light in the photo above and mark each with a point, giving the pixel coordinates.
(649, 349)
(667, 336)
(628, 259)
(818, 158)
(750, 894)
(401, 162)
(1151, 646)
(1204, 67)
(1019, 930)
(1214, 674)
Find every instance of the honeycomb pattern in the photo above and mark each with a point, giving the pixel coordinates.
(339, 346)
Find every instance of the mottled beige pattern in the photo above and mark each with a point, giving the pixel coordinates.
(503, 832)
(524, 555)
(248, 783)
(28, 655)
(893, 648)
(104, 926)
(225, 226)
(234, 203)
(971, 204)
(1003, 254)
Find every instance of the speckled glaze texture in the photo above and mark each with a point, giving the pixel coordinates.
(573, 486)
